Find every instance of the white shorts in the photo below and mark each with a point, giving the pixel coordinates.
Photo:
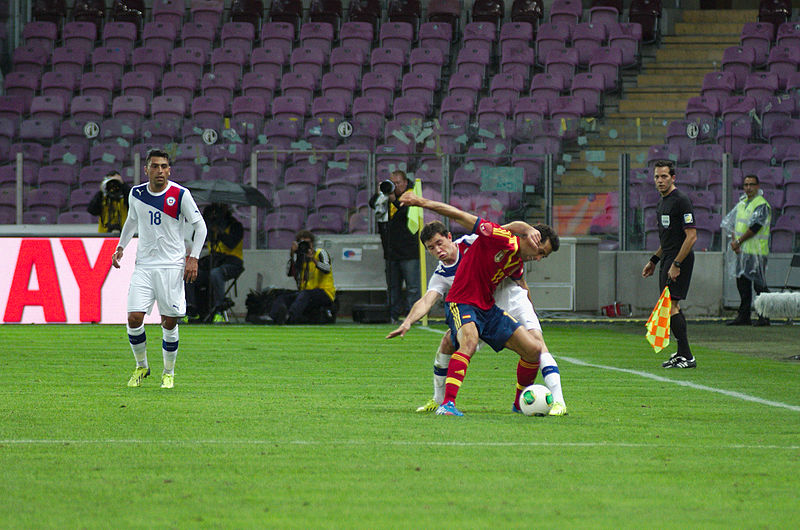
(514, 300)
(164, 286)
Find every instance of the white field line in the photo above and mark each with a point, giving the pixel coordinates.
(730, 393)
(391, 443)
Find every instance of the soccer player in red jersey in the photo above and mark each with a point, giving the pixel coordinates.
(472, 313)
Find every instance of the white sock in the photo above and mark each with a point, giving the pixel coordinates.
(138, 341)
(169, 348)
(440, 364)
(551, 376)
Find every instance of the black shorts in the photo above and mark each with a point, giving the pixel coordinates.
(680, 287)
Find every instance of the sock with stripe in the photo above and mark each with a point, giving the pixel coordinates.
(138, 340)
(456, 371)
(440, 363)
(551, 376)
(169, 348)
(526, 375)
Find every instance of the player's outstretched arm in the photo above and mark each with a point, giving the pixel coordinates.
(524, 230)
(420, 308)
(467, 220)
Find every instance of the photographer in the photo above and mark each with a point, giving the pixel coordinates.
(314, 300)
(223, 262)
(400, 245)
(110, 203)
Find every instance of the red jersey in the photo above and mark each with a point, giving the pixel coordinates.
(490, 259)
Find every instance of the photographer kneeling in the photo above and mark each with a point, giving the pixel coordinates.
(222, 263)
(110, 203)
(313, 303)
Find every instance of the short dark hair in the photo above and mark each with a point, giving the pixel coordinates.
(754, 177)
(665, 163)
(431, 229)
(548, 234)
(156, 152)
(305, 234)
(113, 172)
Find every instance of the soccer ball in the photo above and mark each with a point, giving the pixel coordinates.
(535, 400)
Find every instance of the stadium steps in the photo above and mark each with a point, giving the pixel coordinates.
(669, 76)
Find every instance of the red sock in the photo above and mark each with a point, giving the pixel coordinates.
(526, 375)
(456, 371)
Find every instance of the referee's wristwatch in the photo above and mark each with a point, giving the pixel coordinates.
(677, 263)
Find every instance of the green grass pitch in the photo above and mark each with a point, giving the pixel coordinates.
(313, 427)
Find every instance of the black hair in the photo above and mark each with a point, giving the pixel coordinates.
(667, 164)
(548, 234)
(751, 177)
(431, 229)
(156, 152)
(305, 234)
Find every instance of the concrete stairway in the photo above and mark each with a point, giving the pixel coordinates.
(670, 75)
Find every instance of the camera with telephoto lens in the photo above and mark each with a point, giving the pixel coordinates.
(112, 188)
(302, 249)
(386, 187)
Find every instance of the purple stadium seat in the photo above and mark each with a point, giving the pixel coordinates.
(79, 35)
(108, 153)
(608, 62)
(207, 12)
(775, 198)
(388, 61)
(228, 62)
(703, 111)
(161, 130)
(341, 85)
(605, 13)
(288, 107)
(551, 37)
(733, 135)
(317, 35)
(298, 85)
(758, 36)
(770, 177)
(329, 108)
(293, 200)
(257, 84)
(41, 131)
(23, 85)
(219, 86)
(718, 85)
(41, 34)
(97, 84)
(379, 85)
(198, 36)
(706, 157)
(589, 87)
(278, 35)
(129, 107)
(529, 113)
(290, 11)
(739, 61)
(139, 84)
(30, 59)
(248, 115)
(566, 12)
(180, 85)
(58, 84)
(457, 109)
(492, 112)
(159, 35)
(627, 38)
(111, 62)
(76, 217)
(647, 13)
(736, 107)
(518, 61)
(436, 35)
(788, 35)
(69, 61)
(586, 38)
(531, 158)
(661, 152)
(506, 86)
(678, 136)
(208, 111)
(58, 178)
(121, 35)
(329, 11)
(791, 159)
(409, 11)
(406, 109)
(68, 154)
(783, 61)
(761, 86)
(125, 131)
(421, 86)
(333, 201)
(516, 35)
(547, 86)
(370, 108)
(188, 60)
(12, 107)
(427, 61)
(88, 108)
(480, 34)
(465, 85)
(168, 108)
(776, 12)
(151, 60)
(169, 12)
(473, 60)
(268, 61)
(753, 157)
(326, 223)
(308, 61)
(347, 61)
(45, 200)
(357, 36)
(240, 35)
(562, 63)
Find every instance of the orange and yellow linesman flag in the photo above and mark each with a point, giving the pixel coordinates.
(658, 323)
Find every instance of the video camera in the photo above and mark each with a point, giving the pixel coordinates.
(386, 187)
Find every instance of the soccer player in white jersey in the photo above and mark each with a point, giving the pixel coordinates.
(158, 210)
(511, 296)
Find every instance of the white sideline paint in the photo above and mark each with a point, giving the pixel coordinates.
(731, 393)
(419, 443)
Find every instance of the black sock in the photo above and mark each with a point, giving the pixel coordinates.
(677, 324)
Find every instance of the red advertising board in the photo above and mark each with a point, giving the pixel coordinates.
(64, 280)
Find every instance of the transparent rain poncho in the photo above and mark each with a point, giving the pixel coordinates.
(751, 266)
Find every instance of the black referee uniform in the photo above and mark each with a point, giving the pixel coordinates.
(675, 212)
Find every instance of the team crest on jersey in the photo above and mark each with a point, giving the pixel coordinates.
(688, 219)
(665, 221)
(485, 229)
(170, 201)
(499, 256)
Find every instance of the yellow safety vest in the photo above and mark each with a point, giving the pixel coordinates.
(316, 279)
(222, 248)
(759, 243)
